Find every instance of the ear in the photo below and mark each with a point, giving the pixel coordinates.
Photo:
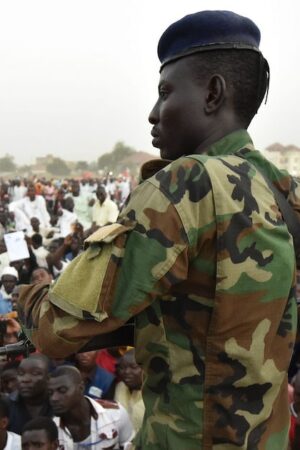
(216, 89)
(55, 445)
(3, 423)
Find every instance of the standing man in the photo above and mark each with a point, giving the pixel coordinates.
(200, 256)
(82, 422)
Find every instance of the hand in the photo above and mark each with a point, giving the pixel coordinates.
(12, 325)
(68, 240)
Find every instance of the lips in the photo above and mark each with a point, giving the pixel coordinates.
(25, 390)
(156, 138)
(57, 408)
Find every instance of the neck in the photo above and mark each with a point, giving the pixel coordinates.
(217, 133)
(80, 414)
(36, 401)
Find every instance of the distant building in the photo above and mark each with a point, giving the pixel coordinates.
(284, 157)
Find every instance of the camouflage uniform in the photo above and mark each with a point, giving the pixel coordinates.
(205, 263)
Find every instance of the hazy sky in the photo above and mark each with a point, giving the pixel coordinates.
(78, 76)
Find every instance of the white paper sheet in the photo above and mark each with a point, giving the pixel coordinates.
(16, 246)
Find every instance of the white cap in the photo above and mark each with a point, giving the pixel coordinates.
(8, 270)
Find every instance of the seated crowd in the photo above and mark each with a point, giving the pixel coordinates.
(92, 399)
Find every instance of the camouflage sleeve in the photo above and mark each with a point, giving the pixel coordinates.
(144, 263)
(156, 254)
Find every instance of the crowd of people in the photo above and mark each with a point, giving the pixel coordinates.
(92, 399)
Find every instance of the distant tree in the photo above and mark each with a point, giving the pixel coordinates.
(58, 167)
(24, 170)
(7, 164)
(82, 165)
(112, 161)
(93, 166)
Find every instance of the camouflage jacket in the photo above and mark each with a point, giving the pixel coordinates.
(205, 263)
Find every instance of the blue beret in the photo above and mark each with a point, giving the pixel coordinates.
(207, 30)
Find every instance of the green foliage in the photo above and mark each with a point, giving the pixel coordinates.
(112, 161)
(7, 164)
(82, 165)
(58, 167)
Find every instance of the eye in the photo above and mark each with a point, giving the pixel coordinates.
(163, 94)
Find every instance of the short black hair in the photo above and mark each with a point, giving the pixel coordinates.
(42, 423)
(70, 371)
(37, 239)
(40, 357)
(246, 73)
(40, 268)
(4, 406)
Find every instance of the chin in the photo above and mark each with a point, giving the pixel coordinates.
(167, 154)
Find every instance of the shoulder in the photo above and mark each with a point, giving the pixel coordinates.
(109, 408)
(14, 397)
(13, 441)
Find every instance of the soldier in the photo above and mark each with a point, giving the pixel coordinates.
(201, 256)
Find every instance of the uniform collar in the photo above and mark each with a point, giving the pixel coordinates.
(228, 145)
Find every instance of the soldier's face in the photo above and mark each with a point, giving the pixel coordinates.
(178, 118)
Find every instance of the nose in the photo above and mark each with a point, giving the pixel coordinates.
(154, 115)
(54, 397)
(25, 378)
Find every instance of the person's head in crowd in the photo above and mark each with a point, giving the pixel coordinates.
(9, 377)
(68, 204)
(35, 224)
(55, 244)
(86, 361)
(79, 230)
(65, 389)
(9, 278)
(11, 331)
(31, 192)
(129, 371)
(76, 244)
(33, 377)
(40, 433)
(41, 275)
(75, 188)
(15, 297)
(36, 240)
(101, 194)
